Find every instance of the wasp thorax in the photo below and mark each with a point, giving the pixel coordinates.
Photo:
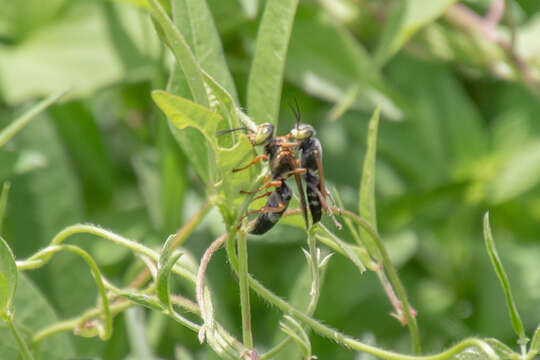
(303, 131)
(264, 134)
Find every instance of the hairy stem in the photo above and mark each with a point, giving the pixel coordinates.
(392, 275)
(199, 287)
(244, 289)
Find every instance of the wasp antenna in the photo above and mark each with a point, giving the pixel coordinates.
(223, 132)
(298, 115)
(295, 110)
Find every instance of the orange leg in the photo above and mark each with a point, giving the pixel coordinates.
(263, 195)
(280, 208)
(293, 172)
(270, 184)
(253, 162)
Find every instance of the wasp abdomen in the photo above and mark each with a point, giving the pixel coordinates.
(278, 199)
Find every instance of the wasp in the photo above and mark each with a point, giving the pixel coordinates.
(280, 154)
(311, 161)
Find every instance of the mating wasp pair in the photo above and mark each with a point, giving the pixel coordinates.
(279, 151)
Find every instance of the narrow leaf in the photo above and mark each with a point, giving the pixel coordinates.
(535, 343)
(8, 277)
(406, 20)
(266, 75)
(195, 22)
(18, 124)
(366, 206)
(165, 265)
(183, 54)
(3, 203)
(501, 274)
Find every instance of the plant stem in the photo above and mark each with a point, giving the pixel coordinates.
(199, 287)
(393, 276)
(247, 336)
(347, 341)
(23, 347)
(13, 128)
(179, 238)
(69, 325)
(315, 280)
(315, 294)
(134, 246)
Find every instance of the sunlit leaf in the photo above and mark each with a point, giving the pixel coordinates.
(501, 274)
(327, 62)
(186, 114)
(74, 50)
(409, 17)
(366, 206)
(195, 22)
(183, 54)
(266, 75)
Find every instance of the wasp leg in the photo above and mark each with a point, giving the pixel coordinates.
(266, 179)
(290, 145)
(266, 194)
(325, 206)
(294, 172)
(270, 184)
(253, 162)
(280, 207)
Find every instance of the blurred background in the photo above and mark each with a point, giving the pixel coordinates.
(459, 85)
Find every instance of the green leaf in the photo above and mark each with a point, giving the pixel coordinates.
(32, 217)
(141, 3)
(19, 123)
(145, 300)
(518, 173)
(183, 54)
(13, 163)
(87, 151)
(8, 277)
(186, 114)
(501, 349)
(34, 313)
(443, 129)
(366, 205)
(138, 342)
(535, 343)
(501, 274)
(328, 62)
(173, 180)
(74, 50)
(165, 265)
(195, 22)
(3, 203)
(405, 21)
(266, 75)
(21, 19)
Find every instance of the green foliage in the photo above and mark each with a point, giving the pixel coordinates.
(431, 96)
(517, 324)
(165, 264)
(266, 74)
(8, 278)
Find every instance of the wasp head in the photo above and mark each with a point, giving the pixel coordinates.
(264, 133)
(302, 131)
